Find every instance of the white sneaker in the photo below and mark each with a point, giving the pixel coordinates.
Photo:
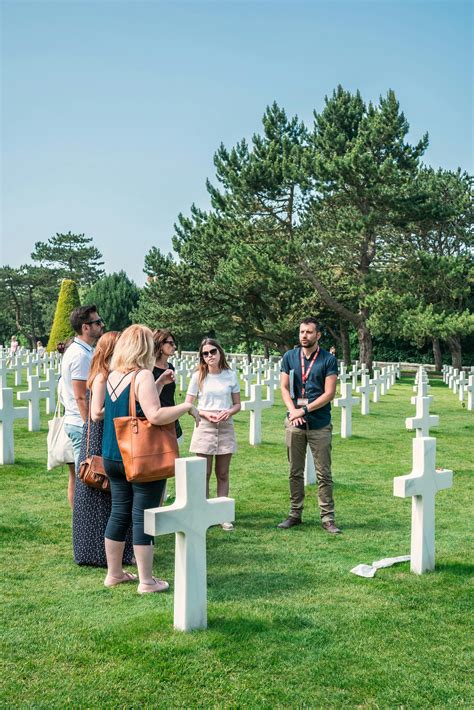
(227, 526)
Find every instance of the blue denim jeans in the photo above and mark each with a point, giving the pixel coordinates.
(75, 434)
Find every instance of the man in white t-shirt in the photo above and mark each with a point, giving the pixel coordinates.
(88, 326)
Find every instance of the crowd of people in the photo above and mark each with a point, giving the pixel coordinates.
(102, 371)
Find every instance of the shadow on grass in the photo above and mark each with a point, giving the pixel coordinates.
(459, 568)
(242, 626)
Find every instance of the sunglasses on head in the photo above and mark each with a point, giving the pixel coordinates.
(206, 353)
(98, 321)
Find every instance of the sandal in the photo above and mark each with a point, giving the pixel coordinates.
(159, 585)
(127, 577)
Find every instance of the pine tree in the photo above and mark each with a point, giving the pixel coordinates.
(68, 299)
(71, 256)
(116, 296)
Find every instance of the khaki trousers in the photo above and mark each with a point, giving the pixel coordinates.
(320, 443)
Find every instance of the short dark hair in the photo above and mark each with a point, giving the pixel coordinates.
(309, 320)
(80, 316)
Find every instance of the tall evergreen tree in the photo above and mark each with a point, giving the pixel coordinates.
(71, 256)
(364, 176)
(68, 300)
(25, 297)
(116, 296)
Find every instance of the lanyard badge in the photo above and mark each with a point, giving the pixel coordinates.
(303, 401)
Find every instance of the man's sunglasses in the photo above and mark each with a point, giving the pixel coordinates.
(98, 321)
(206, 353)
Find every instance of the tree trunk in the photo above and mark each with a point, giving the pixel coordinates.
(266, 352)
(365, 345)
(249, 353)
(454, 344)
(437, 355)
(346, 346)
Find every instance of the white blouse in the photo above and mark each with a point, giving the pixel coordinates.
(216, 390)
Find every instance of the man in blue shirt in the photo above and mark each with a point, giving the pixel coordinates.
(308, 385)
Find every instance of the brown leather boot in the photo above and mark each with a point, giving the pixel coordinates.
(330, 527)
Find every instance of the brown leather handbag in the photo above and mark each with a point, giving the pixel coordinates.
(91, 470)
(148, 451)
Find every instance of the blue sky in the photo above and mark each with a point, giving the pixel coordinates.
(112, 109)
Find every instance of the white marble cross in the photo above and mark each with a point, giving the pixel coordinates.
(470, 393)
(181, 374)
(462, 385)
(345, 402)
(343, 375)
(16, 366)
(452, 379)
(377, 382)
(49, 385)
(309, 468)
(383, 381)
(255, 405)
(189, 517)
(30, 363)
(272, 382)
(258, 370)
(354, 373)
(421, 388)
(364, 390)
(4, 369)
(33, 395)
(455, 381)
(8, 414)
(423, 420)
(422, 484)
(363, 369)
(247, 377)
(393, 374)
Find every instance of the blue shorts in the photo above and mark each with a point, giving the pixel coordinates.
(75, 434)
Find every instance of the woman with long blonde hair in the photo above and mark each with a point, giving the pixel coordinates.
(91, 509)
(133, 353)
(217, 388)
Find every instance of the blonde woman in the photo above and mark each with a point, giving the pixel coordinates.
(134, 351)
(218, 392)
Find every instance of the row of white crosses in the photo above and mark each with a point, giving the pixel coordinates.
(29, 361)
(423, 482)
(37, 390)
(377, 386)
(460, 383)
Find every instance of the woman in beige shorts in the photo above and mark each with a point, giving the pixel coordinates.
(217, 388)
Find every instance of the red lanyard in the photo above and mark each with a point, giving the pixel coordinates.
(305, 374)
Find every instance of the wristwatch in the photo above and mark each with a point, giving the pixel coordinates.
(305, 409)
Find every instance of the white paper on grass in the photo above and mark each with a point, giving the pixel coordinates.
(364, 570)
(369, 571)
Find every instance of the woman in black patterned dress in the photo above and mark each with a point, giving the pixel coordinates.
(91, 506)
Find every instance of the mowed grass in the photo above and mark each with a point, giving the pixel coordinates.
(289, 625)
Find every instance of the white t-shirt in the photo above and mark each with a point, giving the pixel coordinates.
(216, 390)
(75, 365)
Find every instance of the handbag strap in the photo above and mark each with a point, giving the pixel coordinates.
(89, 420)
(132, 402)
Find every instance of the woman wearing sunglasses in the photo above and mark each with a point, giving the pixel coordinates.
(217, 388)
(165, 347)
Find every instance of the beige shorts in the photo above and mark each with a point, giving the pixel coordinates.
(213, 439)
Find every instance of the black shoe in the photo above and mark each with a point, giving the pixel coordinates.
(330, 527)
(289, 522)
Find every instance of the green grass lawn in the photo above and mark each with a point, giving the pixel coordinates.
(288, 624)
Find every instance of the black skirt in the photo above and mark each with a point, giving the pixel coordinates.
(91, 512)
